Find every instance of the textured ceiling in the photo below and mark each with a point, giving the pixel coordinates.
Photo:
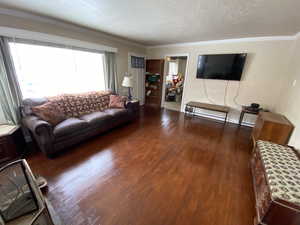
(153, 22)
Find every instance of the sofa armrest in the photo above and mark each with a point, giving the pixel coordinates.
(42, 132)
(36, 125)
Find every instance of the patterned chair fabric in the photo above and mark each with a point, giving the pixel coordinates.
(282, 168)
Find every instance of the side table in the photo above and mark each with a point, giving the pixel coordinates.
(246, 110)
(135, 106)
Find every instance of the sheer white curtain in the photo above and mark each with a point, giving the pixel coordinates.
(49, 71)
(110, 72)
(2, 117)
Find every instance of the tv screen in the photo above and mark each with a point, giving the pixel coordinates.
(221, 67)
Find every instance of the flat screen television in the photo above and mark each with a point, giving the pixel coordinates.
(221, 67)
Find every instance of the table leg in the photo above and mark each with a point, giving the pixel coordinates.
(241, 118)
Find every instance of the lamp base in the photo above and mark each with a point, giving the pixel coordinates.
(129, 94)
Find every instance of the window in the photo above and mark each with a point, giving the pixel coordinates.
(48, 71)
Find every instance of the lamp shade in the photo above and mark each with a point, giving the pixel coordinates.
(127, 82)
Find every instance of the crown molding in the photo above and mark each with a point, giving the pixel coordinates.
(37, 36)
(66, 25)
(234, 40)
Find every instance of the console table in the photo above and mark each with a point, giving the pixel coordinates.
(191, 106)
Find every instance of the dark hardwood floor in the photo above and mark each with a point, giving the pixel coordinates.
(159, 170)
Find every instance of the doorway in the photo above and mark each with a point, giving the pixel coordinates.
(176, 67)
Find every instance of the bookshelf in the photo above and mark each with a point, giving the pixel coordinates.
(154, 82)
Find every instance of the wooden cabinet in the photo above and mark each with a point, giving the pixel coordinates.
(154, 81)
(272, 127)
(12, 143)
(5, 150)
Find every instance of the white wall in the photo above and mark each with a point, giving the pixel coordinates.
(290, 95)
(263, 77)
(49, 26)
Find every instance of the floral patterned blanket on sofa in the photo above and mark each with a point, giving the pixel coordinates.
(76, 105)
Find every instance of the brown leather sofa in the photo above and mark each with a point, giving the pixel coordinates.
(52, 139)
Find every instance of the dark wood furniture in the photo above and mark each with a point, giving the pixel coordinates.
(244, 111)
(191, 107)
(272, 127)
(153, 81)
(12, 143)
(275, 171)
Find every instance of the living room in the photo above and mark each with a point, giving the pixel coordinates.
(111, 152)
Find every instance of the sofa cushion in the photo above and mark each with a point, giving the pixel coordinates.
(116, 112)
(96, 117)
(69, 126)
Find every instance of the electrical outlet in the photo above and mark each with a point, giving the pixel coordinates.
(294, 83)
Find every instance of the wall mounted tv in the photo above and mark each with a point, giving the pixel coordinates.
(221, 67)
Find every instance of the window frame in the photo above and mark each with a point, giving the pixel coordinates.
(59, 46)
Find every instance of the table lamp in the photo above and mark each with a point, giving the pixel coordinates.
(127, 82)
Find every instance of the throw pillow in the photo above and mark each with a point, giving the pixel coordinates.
(49, 112)
(116, 101)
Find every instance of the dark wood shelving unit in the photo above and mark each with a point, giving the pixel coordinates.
(154, 81)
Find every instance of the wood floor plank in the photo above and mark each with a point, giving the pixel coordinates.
(159, 170)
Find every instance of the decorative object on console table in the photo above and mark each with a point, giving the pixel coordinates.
(12, 143)
(153, 81)
(127, 82)
(272, 127)
(275, 169)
